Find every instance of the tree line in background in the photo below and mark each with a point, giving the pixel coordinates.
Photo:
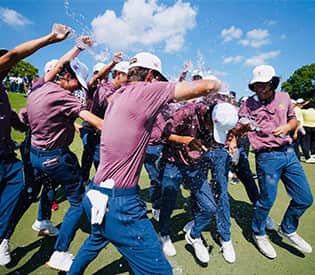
(301, 84)
(20, 77)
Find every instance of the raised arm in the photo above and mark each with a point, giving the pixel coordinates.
(106, 69)
(187, 90)
(12, 57)
(82, 43)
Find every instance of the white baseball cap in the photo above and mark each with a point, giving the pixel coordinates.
(121, 67)
(293, 101)
(81, 71)
(98, 66)
(199, 73)
(224, 117)
(263, 73)
(148, 61)
(50, 64)
(300, 101)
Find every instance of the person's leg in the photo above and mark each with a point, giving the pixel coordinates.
(204, 200)
(170, 187)
(269, 166)
(132, 233)
(152, 164)
(245, 175)
(220, 174)
(91, 246)
(11, 179)
(306, 143)
(63, 167)
(298, 188)
(87, 154)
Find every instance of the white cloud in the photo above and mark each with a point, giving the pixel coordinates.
(256, 38)
(144, 23)
(261, 58)
(13, 18)
(233, 59)
(231, 33)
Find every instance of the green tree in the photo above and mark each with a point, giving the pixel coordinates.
(23, 68)
(302, 83)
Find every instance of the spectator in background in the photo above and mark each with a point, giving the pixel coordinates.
(308, 140)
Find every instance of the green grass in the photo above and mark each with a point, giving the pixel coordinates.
(31, 252)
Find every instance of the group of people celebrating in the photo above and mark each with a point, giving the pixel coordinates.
(179, 130)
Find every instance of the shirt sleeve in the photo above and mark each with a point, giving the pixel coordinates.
(71, 106)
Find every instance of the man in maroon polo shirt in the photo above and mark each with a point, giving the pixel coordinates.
(117, 213)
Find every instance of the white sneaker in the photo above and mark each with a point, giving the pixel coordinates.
(265, 246)
(156, 214)
(201, 251)
(45, 228)
(5, 256)
(188, 226)
(167, 246)
(297, 241)
(310, 160)
(60, 260)
(228, 251)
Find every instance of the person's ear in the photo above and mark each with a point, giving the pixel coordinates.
(149, 76)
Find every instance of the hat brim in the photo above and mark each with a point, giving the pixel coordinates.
(219, 134)
(81, 81)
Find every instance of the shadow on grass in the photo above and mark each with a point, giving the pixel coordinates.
(243, 212)
(46, 248)
(116, 267)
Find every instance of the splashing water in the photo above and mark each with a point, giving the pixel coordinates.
(79, 19)
(177, 269)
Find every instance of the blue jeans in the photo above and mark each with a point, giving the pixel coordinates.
(195, 177)
(272, 166)
(62, 166)
(127, 227)
(218, 161)
(11, 185)
(91, 150)
(155, 167)
(244, 173)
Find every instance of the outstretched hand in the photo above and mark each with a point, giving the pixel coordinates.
(60, 31)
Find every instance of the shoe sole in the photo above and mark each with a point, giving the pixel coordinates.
(282, 235)
(44, 233)
(56, 268)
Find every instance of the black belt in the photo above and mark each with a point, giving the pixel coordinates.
(282, 148)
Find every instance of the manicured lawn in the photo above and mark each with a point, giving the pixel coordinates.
(29, 252)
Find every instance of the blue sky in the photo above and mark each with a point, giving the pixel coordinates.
(224, 38)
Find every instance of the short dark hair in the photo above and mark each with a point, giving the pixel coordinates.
(66, 68)
(137, 74)
(3, 52)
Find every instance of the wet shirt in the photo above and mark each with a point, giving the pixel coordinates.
(162, 127)
(6, 143)
(126, 130)
(99, 103)
(266, 118)
(187, 121)
(51, 112)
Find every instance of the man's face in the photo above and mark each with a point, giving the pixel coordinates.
(262, 90)
(69, 83)
(122, 78)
